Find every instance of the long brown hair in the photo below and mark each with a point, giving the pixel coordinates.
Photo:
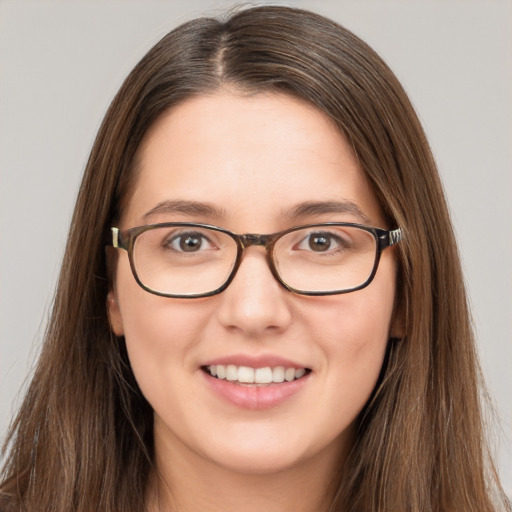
(83, 437)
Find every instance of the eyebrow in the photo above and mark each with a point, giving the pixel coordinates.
(310, 208)
(190, 208)
(305, 209)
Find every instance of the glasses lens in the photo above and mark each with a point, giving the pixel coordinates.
(325, 258)
(183, 260)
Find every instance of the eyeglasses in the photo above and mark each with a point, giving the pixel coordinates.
(189, 260)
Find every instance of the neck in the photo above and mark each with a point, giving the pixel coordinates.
(188, 482)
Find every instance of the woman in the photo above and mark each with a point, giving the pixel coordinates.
(261, 304)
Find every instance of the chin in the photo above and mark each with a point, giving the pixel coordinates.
(258, 463)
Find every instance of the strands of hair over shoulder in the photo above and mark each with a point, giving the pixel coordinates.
(83, 439)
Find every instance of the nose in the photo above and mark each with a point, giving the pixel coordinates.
(254, 303)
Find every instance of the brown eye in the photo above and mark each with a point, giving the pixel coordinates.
(320, 242)
(188, 242)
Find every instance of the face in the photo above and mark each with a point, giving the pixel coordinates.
(252, 160)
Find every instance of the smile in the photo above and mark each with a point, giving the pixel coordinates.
(246, 375)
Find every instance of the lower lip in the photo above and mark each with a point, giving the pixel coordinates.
(255, 397)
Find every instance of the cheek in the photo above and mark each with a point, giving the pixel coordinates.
(353, 332)
(161, 338)
(355, 343)
(353, 324)
(156, 330)
(160, 333)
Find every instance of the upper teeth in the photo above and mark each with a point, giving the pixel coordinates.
(248, 375)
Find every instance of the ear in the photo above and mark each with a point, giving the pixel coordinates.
(397, 328)
(114, 314)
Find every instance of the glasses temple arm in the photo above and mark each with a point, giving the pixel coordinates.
(394, 236)
(116, 240)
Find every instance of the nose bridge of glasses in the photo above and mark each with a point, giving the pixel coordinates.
(254, 239)
(265, 241)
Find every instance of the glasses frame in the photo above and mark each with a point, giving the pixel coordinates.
(126, 240)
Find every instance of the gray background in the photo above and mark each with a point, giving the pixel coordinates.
(62, 61)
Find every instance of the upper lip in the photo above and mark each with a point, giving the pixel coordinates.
(260, 361)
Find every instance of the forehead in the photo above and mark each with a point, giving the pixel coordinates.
(249, 156)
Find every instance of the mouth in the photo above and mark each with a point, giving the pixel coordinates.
(259, 377)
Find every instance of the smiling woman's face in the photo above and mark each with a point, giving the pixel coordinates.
(252, 160)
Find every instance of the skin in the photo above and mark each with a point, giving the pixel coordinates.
(253, 158)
